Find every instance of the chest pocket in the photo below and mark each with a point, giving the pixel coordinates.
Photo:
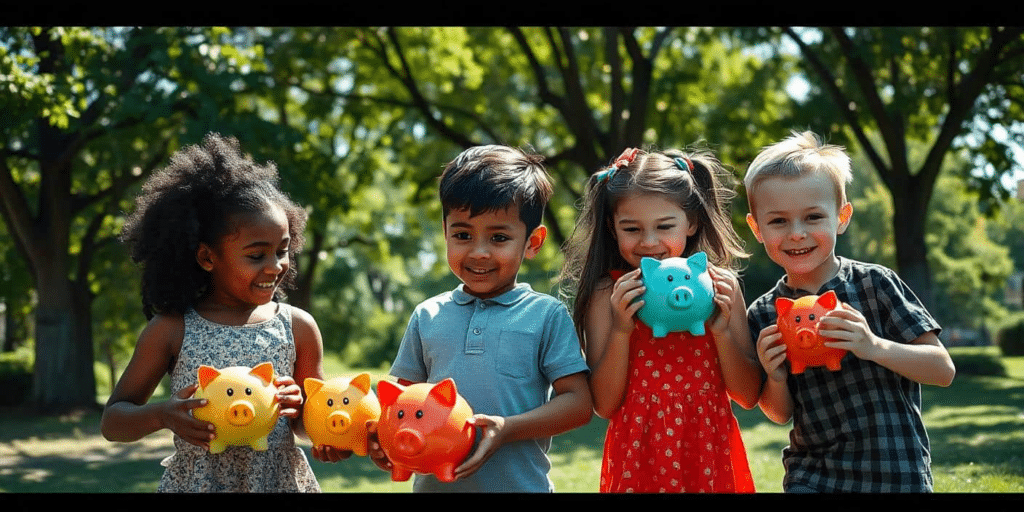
(517, 355)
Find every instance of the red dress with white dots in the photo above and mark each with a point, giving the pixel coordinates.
(675, 431)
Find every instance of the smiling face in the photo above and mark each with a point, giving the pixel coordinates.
(798, 219)
(250, 262)
(486, 250)
(650, 225)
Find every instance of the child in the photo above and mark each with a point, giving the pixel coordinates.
(858, 428)
(217, 243)
(670, 423)
(505, 345)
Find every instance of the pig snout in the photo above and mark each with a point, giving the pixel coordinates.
(409, 442)
(240, 413)
(806, 338)
(338, 422)
(681, 297)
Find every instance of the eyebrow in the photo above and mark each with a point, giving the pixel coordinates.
(662, 219)
(263, 243)
(494, 227)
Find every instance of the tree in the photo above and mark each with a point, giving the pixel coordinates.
(952, 88)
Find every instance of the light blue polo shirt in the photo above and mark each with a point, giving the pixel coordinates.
(503, 354)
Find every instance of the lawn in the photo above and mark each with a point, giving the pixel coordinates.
(976, 428)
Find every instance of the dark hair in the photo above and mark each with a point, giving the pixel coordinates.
(192, 201)
(489, 178)
(592, 252)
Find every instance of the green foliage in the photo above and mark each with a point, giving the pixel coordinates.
(1010, 338)
(15, 376)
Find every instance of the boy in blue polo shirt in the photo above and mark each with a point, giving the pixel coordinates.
(505, 345)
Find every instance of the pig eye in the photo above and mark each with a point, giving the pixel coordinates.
(810, 317)
(670, 277)
(231, 392)
(419, 414)
(330, 402)
(797, 319)
(401, 414)
(687, 277)
(344, 400)
(248, 391)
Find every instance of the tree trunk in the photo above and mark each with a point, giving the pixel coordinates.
(909, 222)
(64, 378)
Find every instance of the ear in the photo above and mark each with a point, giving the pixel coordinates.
(206, 375)
(783, 305)
(445, 392)
(699, 261)
(388, 392)
(361, 382)
(845, 214)
(311, 385)
(204, 257)
(753, 227)
(828, 300)
(535, 241)
(264, 371)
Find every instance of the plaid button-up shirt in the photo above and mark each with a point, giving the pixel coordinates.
(858, 429)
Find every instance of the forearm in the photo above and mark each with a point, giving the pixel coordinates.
(609, 374)
(776, 402)
(924, 363)
(127, 422)
(567, 410)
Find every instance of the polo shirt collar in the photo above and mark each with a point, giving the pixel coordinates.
(783, 290)
(521, 290)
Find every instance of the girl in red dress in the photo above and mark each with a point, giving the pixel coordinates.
(670, 422)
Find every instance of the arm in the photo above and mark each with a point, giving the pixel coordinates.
(923, 360)
(609, 324)
(775, 400)
(128, 416)
(570, 408)
(736, 353)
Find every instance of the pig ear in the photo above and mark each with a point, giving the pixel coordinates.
(312, 385)
(206, 375)
(264, 371)
(361, 382)
(828, 300)
(699, 261)
(648, 265)
(388, 392)
(445, 392)
(783, 305)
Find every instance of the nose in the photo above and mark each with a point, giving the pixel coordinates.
(649, 240)
(798, 231)
(479, 251)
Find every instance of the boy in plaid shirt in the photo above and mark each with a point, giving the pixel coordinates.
(858, 429)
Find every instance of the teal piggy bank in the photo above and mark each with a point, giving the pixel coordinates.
(679, 295)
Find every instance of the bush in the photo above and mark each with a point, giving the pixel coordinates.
(1010, 338)
(15, 377)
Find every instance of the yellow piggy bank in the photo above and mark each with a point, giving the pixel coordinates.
(242, 405)
(336, 412)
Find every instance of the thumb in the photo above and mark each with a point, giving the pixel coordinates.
(187, 391)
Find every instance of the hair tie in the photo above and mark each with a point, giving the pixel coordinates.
(623, 160)
(684, 164)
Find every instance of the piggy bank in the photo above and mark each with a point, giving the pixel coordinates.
(679, 295)
(337, 410)
(242, 405)
(798, 324)
(423, 428)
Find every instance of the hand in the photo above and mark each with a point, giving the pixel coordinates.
(850, 330)
(327, 453)
(176, 415)
(725, 285)
(289, 395)
(625, 302)
(492, 428)
(375, 452)
(771, 352)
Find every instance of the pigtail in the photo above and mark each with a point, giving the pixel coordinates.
(715, 234)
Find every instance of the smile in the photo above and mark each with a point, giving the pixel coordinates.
(799, 252)
(267, 285)
(478, 271)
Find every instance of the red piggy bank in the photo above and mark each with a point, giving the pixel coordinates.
(798, 323)
(423, 428)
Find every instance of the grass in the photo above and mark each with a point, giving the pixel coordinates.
(976, 428)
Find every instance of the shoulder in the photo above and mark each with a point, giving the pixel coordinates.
(302, 321)
(163, 334)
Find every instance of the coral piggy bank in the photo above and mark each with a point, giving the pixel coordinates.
(679, 295)
(337, 410)
(242, 405)
(798, 323)
(423, 429)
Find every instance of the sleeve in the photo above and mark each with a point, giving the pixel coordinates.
(561, 353)
(907, 317)
(409, 363)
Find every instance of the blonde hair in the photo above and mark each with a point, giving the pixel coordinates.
(798, 155)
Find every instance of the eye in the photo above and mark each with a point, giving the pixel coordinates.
(670, 277)
(248, 391)
(231, 392)
(500, 238)
(797, 319)
(419, 414)
(330, 402)
(810, 317)
(401, 414)
(344, 400)
(687, 277)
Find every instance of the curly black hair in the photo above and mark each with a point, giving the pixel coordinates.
(192, 201)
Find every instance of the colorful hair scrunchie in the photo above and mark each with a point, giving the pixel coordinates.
(684, 164)
(623, 160)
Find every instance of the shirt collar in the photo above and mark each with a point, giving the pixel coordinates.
(461, 297)
(783, 290)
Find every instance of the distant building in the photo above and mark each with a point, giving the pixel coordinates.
(1015, 290)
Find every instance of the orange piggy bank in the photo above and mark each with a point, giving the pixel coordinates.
(423, 429)
(336, 412)
(242, 405)
(798, 324)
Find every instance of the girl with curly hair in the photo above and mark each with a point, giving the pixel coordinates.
(216, 239)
